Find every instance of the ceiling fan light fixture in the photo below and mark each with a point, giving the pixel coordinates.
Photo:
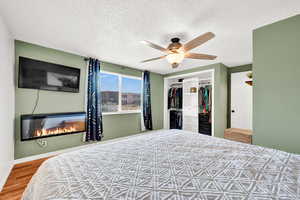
(175, 65)
(176, 52)
(175, 57)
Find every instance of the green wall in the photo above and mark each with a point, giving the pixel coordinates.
(220, 91)
(276, 90)
(117, 125)
(241, 68)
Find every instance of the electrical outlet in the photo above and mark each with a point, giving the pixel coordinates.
(42, 143)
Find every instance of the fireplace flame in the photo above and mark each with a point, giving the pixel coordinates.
(54, 131)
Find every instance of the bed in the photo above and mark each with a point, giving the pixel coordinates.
(168, 164)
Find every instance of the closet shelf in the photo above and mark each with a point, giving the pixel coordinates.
(191, 93)
(203, 81)
(176, 83)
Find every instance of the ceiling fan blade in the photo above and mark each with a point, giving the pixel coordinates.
(155, 46)
(153, 59)
(200, 56)
(198, 41)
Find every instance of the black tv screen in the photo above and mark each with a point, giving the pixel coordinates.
(36, 74)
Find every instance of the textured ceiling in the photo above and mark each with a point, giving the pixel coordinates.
(111, 30)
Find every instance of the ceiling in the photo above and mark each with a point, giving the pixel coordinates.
(111, 29)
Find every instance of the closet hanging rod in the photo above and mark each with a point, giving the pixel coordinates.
(201, 82)
(204, 82)
(176, 86)
(179, 83)
(205, 79)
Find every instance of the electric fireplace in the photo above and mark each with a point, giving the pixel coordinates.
(47, 125)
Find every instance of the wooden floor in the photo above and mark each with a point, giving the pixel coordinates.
(19, 178)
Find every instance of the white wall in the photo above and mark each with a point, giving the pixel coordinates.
(241, 101)
(7, 102)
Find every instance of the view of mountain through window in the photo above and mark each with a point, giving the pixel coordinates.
(109, 84)
(117, 88)
(131, 94)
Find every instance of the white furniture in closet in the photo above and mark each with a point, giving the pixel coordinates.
(190, 107)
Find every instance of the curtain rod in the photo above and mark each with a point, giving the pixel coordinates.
(87, 59)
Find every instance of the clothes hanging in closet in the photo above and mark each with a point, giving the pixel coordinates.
(205, 99)
(175, 98)
(175, 119)
(205, 108)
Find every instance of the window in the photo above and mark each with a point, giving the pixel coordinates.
(109, 85)
(131, 94)
(120, 93)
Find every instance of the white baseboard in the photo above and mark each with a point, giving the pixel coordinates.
(53, 153)
(4, 173)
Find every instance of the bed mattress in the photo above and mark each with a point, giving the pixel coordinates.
(168, 164)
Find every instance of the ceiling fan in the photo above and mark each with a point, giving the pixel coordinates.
(176, 52)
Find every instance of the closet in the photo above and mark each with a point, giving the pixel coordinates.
(190, 102)
(175, 105)
(205, 107)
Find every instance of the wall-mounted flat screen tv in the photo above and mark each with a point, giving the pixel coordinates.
(36, 74)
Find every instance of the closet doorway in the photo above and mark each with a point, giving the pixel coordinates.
(189, 102)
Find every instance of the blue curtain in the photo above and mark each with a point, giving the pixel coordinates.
(94, 114)
(147, 101)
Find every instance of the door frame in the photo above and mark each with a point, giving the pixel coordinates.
(232, 70)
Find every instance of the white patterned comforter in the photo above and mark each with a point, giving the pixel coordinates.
(169, 164)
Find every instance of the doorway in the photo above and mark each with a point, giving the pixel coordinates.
(241, 101)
